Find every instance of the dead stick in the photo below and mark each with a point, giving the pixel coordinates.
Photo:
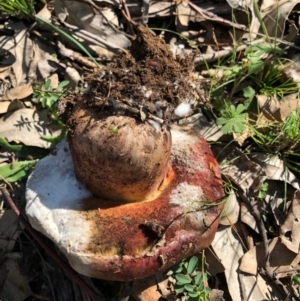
(212, 17)
(214, 56)
(126, 15)
(87, 289)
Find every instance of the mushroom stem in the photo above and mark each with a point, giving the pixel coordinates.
(118, 157)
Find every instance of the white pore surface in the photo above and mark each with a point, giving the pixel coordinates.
(54, 199)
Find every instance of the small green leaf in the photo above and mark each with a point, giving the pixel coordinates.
(179, 289)
(238, 110)
(255, 64)
(114, 130)
(236, 68)
(233, 120)
(189, 287)
(296, 279)
(177, 268)
(249, 92)
(62, 84)
(48, 84)
(198, 279)
(183, 279)
(185, 264)
(193, 294)
(192, 264)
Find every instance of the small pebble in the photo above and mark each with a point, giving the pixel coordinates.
(182, 109)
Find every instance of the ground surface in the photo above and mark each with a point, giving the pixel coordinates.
(247, 112)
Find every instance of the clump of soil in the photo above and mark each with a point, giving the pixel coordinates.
(142, 81)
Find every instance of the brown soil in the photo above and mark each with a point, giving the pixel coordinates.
(149, 67)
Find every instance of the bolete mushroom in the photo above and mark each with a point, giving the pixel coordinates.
(127, 195)
(124, 241)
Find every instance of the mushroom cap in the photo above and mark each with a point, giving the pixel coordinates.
(118, 157)
(114, 241)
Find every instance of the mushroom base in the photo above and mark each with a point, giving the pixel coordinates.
(122, 242)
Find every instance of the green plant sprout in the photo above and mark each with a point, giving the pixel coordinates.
(233, 119)
(190, 281)
(19, 8)
(296, 279)
(263, 190)
(279, 137)
(47, 96)
(114, 130)
(48, 99)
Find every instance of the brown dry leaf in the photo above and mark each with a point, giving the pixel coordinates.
(274, 169)
(290, 229)
(7, 59)
(150, 288)
(184, 15)
(247, 218)
(54, 81)
(4, 106)
(19, 92)
(26, 126)
(288, 104)
(229, 249)
(269, 107)
(278, 263)
(15, 286)
(248, 6)
(9, 225)
(278, 197)
(249, 262)
(275, 15)
(84, 17)
(231, 210)
(20, 45)
(242, 171)
(291, 70)
(274, 110)
(240, 139)
(32, 57)
(46, 15)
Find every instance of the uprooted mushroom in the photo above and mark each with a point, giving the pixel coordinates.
(131, 193)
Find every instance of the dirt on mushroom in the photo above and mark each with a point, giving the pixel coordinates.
(145, 74)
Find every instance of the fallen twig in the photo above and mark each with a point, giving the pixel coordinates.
(212, 17)
(75, 56)
(217, 55)
(126, 15)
